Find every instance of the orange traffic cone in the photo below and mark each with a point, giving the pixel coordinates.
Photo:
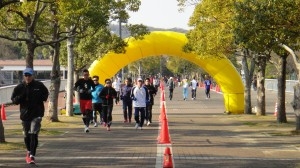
(3, 114)
(164, 137)
(276, 109)
(162, 115)
(168, 160)
(163, 96)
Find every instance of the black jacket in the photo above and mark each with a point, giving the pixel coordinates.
(31, 98)
(152, 92)
(107, 95)
(85, 88)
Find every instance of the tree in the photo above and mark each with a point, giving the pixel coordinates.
(262, 25)
(213, 36)
(88, 24)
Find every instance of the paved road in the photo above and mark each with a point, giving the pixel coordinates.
(201, 136)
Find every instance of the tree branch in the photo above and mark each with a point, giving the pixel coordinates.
(13, 39)
(295, 57)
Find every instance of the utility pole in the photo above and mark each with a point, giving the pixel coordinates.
(120, 34)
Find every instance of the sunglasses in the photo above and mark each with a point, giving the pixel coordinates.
(27, 75)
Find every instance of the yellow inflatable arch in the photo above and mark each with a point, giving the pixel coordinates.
(170, 43)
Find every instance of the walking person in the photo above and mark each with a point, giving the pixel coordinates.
(127, 101)
(116, 85)
(140, 97)
(152, 92)
(207, 84)
(171, 85)
(30, 94)
(97, 101)
(85, 86)
(194, 85)
(156, 82)
(107, 95)
(185, 87)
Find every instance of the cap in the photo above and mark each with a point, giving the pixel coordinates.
(139, 79)
(28, 71)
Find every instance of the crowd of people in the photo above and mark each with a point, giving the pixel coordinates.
(95, 100)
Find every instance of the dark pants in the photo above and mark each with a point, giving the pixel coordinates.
(97, 107)
(171, 94)
(31, 130)
(107, 114)
(149, 113)
(207, 92)
(87, 115)
(127, 110)
(194, 91)
(118, 97)
(139, 115)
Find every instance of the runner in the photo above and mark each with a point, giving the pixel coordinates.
(107, 95)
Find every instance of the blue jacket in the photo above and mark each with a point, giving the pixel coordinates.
(96, 93)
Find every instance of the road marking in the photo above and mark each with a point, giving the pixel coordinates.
(143, 157)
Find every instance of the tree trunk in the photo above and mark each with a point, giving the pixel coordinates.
(54, 86)
(296, 105)
(281, 113)
(70, 80)
(261, 97)
(2, 136)
(30, 54)
(52, 114)
(248, 78)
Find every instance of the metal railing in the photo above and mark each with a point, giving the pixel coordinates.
(6, 91)
(271, 84)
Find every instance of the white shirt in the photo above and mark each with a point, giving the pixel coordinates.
(194, 84)
(116, 85)
(140, 95)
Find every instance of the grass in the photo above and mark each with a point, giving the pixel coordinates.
(12, 146)
(266, 123)
(48, 129)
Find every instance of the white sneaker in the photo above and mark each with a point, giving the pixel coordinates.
(136, 126)
(148, 123)
(86, 129)
(96, 124)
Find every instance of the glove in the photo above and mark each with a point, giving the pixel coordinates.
(133, 98)
(80, 90)
(89, 91)
(107, 96)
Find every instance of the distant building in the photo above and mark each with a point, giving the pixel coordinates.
(11, 70)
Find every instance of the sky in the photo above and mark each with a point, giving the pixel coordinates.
(161, 14)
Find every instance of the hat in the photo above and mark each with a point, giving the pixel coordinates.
(139, 79)
(28, 71)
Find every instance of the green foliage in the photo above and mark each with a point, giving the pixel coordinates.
(212, 34)
(262, 25)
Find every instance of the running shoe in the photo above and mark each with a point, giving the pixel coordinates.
(86, 129)
(96, 124)
(136, 126)
(27, 158)
(32, 160)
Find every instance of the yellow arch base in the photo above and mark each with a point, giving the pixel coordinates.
(171, 43)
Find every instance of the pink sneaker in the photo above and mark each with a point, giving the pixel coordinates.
(27, 158)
